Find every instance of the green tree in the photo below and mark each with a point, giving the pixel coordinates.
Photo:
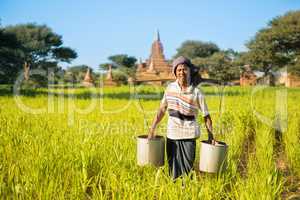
(39, 45)
(221, 65)
(122, 63)
(75, 74)
(105, 66)
(9, 62)
(123, 60)
(194, 49)
(294, 67)
(277, 45)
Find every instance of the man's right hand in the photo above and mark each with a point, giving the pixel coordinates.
(211, 139)
(151, 134)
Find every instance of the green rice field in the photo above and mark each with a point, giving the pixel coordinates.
(66, 143)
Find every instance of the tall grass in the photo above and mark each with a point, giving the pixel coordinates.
(93, 156)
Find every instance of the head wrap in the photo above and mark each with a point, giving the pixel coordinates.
(180, 60)
(183, 60)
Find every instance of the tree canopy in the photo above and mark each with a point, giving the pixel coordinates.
(123, 60)
(195, 49)
(277, 45)
(40, 43)
(119, 61)
(75, 74)
(38, 46)
(221, 65)
(9, 62)
(123, 63)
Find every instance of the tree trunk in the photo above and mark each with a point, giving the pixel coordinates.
(26, 70)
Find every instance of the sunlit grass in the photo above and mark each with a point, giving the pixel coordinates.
(68, 151)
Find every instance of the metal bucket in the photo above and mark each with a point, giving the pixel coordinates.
(150, 151)
(213, 156)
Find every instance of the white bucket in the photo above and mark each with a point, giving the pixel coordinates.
(150, 151)
(212, 156)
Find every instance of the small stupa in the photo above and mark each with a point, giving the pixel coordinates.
(88, 80)
(109, 78)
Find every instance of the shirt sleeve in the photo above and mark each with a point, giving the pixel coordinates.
(202, 104)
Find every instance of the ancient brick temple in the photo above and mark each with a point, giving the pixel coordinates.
(247, 77)
(88, 80)
(155, 70)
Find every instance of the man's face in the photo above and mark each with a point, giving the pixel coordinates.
(182, 72)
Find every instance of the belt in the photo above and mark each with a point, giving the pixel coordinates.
(177, 114)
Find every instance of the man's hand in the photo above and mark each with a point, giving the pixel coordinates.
(208, 124)
(211, 139)
(160, 114)
(151, 134)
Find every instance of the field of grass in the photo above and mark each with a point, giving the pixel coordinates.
(80, 144)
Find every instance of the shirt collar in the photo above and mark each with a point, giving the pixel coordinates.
(189, 90)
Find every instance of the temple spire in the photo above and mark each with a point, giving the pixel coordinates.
(157, 36)
(87, 76)
(109, 73)
(88, 79)
(109, 77)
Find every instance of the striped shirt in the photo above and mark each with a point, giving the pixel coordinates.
(183, 107)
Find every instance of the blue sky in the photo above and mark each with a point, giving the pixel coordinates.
(97, 29)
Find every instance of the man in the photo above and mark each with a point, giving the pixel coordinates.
(182, 99)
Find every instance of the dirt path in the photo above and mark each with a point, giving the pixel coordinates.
(291, 186)
(248, 150)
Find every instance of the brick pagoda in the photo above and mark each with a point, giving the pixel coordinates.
(156, 70)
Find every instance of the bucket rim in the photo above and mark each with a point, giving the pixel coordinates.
(219, 143)
(157, 137)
